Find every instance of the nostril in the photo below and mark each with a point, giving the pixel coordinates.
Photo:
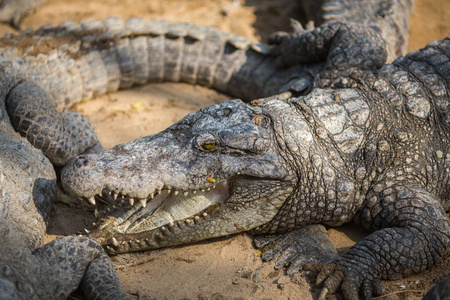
(83, 161)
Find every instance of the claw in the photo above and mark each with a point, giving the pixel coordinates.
(310, 26)
(296, 26)
(323, 294)
(326, 271)
(92, 200)
(115, 242)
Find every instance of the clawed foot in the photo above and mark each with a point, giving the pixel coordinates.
(291, 47)
(297, 249)
(354, 274)
(354, 280)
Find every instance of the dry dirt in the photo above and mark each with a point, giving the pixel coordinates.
(226, 268)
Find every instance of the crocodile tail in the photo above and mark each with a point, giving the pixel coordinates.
(76, 62)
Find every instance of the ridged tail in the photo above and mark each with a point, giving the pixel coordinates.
(76, 62)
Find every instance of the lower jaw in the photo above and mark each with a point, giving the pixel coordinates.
(171, 234)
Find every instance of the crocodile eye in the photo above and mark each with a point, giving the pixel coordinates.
(209, 145)
(261, 121)
(206, 141)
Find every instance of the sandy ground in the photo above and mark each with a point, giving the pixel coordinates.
(226, 268)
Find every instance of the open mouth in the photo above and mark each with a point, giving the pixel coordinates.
(167, 208)
(163, 212)
(171, 218)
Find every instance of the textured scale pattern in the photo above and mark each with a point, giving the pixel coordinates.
(389, 18)
(318, 135)
(366, 144)
(81, 61)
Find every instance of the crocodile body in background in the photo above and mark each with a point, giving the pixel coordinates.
(387, 17)
(368, 144)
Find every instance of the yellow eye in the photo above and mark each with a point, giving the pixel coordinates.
(209, 145)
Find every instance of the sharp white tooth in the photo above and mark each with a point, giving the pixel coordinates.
(92, 200)
(163, 228)
(194, 192)
(185, 194)
(188, 221)
(197, 218)
(158, 192)
(115, 242)
(96, 214)
(175, 193)
(205, 214)
(171, 224)
(214, 186)
(152, 195)
(143, 202)
(85, 230)
(131, 201)
(115, 195)
(168, 191)
(208, 189)
(203, 190)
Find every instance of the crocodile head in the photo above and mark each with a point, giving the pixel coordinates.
(218, 171)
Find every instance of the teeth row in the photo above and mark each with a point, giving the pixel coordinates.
(143, 201)
(166, 229)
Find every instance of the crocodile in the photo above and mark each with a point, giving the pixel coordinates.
(369, 143)
(389, 18)
(43, 72)
(75, 62)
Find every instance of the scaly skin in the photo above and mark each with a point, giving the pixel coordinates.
(69, 71)
(390, 18)
(367, 144)
(78, 63)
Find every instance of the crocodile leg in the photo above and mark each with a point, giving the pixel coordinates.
(298, 248)
(87, 263)
(53, 268)
(344, 47)
(389, 18)
(411, 235)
